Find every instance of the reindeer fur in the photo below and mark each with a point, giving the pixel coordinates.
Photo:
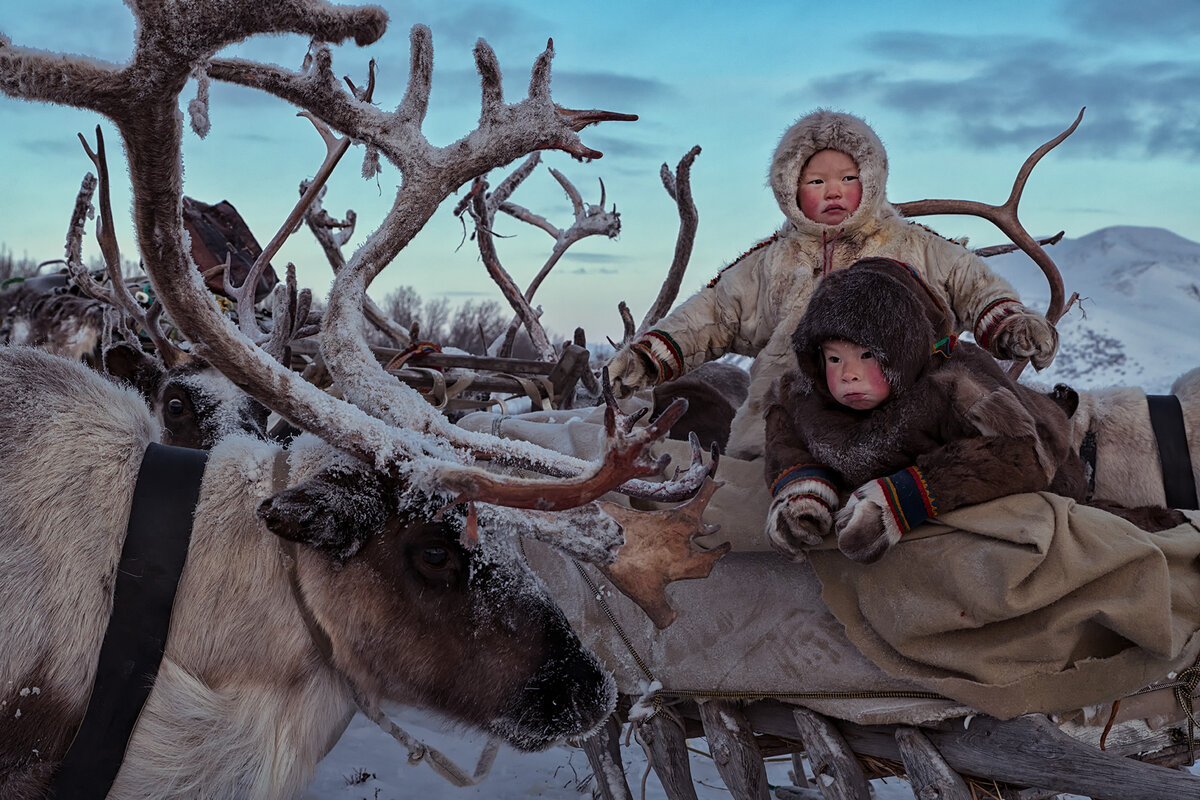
(55, 320)
(245, 705)
(714, 391)
(1127, 465)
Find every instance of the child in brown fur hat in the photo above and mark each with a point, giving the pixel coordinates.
(885, 389)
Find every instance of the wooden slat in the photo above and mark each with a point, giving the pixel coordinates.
(836, 770)
(799, 778)
(666, 749)
(1026, 752)
(734, 751)
(931, 777)
(603, 751)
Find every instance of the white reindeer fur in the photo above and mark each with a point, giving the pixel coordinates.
(243, 707)
(260, 708)
(1127, 466)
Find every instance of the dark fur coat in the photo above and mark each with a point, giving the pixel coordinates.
(973, 432)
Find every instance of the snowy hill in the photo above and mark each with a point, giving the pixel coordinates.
(1137, 320)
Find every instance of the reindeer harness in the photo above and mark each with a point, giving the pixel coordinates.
(152, 560)
(1166, 417)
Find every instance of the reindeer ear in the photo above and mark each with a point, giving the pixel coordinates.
(1066, 397)
(134, 366)
(336, 510)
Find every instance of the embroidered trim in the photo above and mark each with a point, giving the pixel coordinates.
(816, 480)
(908, 497)
(992, 315)
(664, 351)
(758, 246)
(944, 347)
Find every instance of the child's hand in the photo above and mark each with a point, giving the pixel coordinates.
(797, 518)
(866, 526)
(628, 371)
(1026, 334)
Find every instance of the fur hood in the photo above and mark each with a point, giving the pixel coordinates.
(829, 130)
(879, 304)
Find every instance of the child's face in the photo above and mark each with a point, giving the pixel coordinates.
(854, 376)
(829, 188)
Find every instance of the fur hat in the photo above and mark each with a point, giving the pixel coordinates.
(828, 130)
(879, 304)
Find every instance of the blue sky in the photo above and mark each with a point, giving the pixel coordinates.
(960, 94)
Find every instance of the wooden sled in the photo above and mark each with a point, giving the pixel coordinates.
(960, 759)
(1128, 749)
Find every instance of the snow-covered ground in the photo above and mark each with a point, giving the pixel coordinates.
(1138, 323)
(367, 764)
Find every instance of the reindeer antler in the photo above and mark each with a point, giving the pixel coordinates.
(117, 293)
(659, 548)
(1005, 218)
(141, 98)
(589, 220)
(679, 187)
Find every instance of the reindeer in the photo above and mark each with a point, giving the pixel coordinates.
(1111, 428)
(390, 591)
(74, 314)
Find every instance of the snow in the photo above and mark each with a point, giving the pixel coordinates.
(1142, 301)
(1137, 322)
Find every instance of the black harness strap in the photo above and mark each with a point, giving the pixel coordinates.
(1179, 482)
(1087, 451)
(152, 559)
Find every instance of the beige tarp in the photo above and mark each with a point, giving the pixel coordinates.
(1028, 603)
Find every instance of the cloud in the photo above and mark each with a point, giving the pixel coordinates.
(58, 147)
(620, 148)
(595, 258)
(612, 90)
(462, 25)
(1008, 91)
(99, 30)
(1160, 20)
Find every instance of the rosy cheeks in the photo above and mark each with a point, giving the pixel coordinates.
(854, 376)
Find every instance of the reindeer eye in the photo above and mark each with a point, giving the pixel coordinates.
(435, 556)
(175, 405)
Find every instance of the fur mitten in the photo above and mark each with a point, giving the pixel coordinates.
(880, 512)
(1010, 330)
(652, 359)
(801, 514)
(631, 369)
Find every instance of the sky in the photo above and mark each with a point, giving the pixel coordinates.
(959, 93)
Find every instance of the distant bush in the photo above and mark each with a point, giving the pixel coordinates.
(13, 267)
(469, 327)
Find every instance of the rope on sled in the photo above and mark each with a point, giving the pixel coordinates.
(1188, 680)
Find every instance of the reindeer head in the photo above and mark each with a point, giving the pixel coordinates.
(391, 445)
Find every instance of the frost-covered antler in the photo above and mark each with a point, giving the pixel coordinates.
(117, 293)
(429, 174)
(589, 221)
(482, 212)
(389, 425)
